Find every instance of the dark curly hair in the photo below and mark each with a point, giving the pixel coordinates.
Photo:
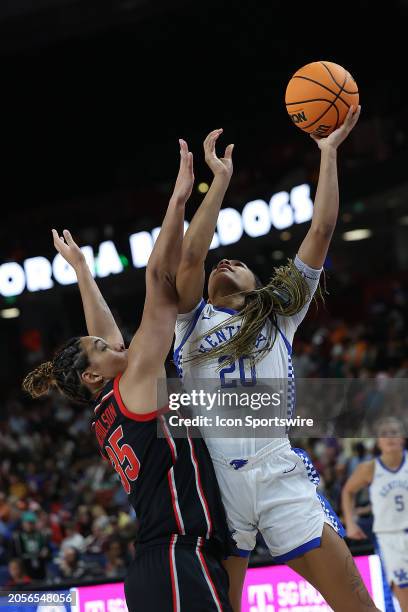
(62, 373)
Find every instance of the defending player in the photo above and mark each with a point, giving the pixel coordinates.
(170, 482)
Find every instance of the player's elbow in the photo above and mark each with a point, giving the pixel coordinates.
(323, 230)
(191, 257)
(160, 276)
(346, 494)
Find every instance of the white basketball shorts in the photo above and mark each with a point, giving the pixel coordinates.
(393, 551)
(274, 493)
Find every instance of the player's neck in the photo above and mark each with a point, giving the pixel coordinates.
(233, 301)
(392, 459)
(97, 389)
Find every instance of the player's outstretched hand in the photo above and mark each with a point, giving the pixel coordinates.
(219, 166)
(338, 136)
(68, 248)
(185, 178)
(354, 532)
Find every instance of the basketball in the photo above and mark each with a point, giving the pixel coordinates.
(318, 97)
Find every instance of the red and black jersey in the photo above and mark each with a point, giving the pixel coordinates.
(171, 482)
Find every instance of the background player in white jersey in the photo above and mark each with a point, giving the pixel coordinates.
(387, 477)
(266, 486)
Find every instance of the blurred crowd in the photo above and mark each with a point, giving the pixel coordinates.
(64, 516)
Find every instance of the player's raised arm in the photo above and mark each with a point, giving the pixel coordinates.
(165, 257)
(361, 477)
(152, 341)
(314, 247)
(190, 275)
(99, 319)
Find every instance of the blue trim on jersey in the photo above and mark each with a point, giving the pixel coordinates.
(403, 586)
(312, 473)
(331, 515)
(388, 599)
(242, 553)
(291, 399)
(300, 550)
(389, 469)
(314, 477)
(286, 341)
(230, 311)
(188, 333)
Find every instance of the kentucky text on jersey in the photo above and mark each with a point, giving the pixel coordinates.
(216, 338)
(391, 486)
(389, 497)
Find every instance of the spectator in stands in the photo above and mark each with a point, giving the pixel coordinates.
(5, 508)
(101, 531)
(70, 567)
(17, 488)
(17, 573)
(73, 539)
(84, 521)
(31, 545)
(360, 454)
(115, 566)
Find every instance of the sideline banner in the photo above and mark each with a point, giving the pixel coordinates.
(266, 589)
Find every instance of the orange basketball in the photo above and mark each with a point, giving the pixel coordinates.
(319, 96)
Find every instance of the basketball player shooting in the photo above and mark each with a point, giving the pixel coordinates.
(266, 486)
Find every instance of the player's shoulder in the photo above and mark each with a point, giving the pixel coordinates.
(367, 468)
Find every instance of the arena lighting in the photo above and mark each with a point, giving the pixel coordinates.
(203, 187)
(230, 226)
(358, 234)
(277, 255)
(258, 217)
(10, 313)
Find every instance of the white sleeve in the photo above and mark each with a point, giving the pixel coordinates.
(289, 325)
(185, 321)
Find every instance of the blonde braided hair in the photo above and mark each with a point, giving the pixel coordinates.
(286, 294)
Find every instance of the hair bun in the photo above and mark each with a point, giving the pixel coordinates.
(39, 381)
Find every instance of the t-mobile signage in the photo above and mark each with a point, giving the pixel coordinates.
(266, 589)
(279, 589)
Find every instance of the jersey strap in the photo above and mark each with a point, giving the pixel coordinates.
(188, 332)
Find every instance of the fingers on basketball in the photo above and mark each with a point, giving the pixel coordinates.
(319, 96)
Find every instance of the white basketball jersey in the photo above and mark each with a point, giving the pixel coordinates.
(193, 333)
(389, 497)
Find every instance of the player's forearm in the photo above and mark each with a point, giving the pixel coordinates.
(326, 204)
(201, 230)
(98, 317)
(165, 257)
